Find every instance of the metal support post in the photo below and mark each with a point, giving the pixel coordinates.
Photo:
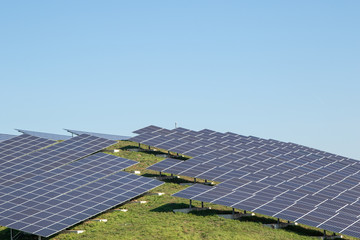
(278, 221)
(39, 238)
(11, 234)
(205, 181)
(194, 180)
(190, 203)
(233, 211)
(244, 211)
(324, 233)
(160, 174)
(202, 204)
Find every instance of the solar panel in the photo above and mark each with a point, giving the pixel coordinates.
(70, 194)
(143, 137)
(101, 135)
(18, 169)
(147, 129)
(20, 146)
(164, 164)
(50, 136)
(4, 137)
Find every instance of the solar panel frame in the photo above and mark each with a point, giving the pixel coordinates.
(101, 135)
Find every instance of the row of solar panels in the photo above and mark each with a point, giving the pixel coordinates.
(274, 178)
(58, 137)
(47, 186)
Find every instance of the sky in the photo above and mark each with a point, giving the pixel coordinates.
(285, 70)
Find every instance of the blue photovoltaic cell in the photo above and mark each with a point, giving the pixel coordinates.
(19, 146)
(101, 135)
(49, 158)
(164, 164)
(150, 128)
(143, 137)
(51, 136)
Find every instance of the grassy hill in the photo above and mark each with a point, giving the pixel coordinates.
(155, 219)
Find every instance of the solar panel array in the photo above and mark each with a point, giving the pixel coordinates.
(274, 178)
(51, 136)
(21, 145)
(56, 187)
(102, 135)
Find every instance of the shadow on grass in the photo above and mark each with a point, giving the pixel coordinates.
(258, 219)
(169, 207)
(171, 180)
(210, 212)
(295, 229)
(304, 231)
(5, 233)
(129, 148)
(149, 175)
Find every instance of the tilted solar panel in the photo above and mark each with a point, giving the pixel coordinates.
(164, 164)
(4, 137)
(50, 136)
(21, 145)
(150, 128)
(24, 167)
(55, 200)
(101, 135)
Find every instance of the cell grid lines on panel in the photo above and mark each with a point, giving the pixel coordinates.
(164, 164)
(287, 180)
(150, 128)
(62, 211)
(19, 146)
(49, 158)
(4, 136)
(102, 135)
(51, 136)
(143, 137)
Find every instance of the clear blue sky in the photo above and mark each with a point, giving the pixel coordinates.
(287, 70)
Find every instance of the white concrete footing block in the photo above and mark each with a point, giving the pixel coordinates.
(209, 183)
(98, 220)
(156, 194)
(331, 237)
(119, 210)
(137, 172)
(73, 231)
(136, 201)
(280, 225)
(116, 150)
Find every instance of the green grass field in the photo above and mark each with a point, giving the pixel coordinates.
(155, 219)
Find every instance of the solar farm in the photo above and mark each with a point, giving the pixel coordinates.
(178, 183)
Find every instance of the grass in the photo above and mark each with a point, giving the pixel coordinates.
(155, 219)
